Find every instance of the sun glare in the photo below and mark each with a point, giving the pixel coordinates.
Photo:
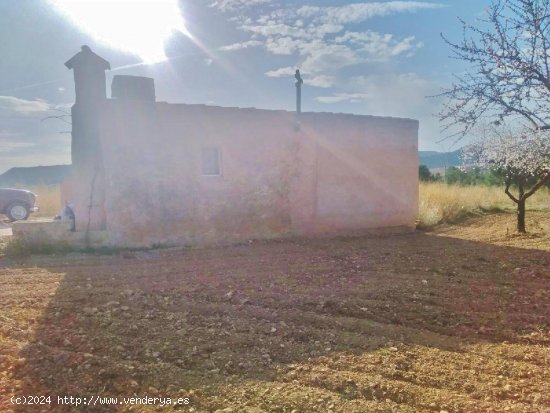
(140, 27)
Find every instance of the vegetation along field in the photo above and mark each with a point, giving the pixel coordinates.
(444, 203)
(439, 202)
(49, 199)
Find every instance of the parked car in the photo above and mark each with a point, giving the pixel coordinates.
(17, 204)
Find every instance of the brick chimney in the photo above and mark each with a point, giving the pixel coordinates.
(89, 76)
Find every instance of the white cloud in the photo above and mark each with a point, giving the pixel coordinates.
(357, 13)
(7, 147)
(321, 57)
(344, 97)
(276, 28)
(324, 57)
(318, 39)
(241, 45)
(233, 5)
(6, 134)
(403, 94)
(283, 45)
(322, 81)
(399, 94)
(282, 72)
(310, 79)
(22, 106)
(379, 46)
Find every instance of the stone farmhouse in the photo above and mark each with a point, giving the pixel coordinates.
(151, 173)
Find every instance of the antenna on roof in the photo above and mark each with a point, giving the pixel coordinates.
(299, 83)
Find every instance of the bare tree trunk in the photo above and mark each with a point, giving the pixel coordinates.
(521, 209)
(521, 216)
(522, 196)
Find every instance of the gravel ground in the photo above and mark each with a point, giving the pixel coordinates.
(427, 322)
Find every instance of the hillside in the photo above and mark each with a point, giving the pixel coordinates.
(433, 159)
(35, 175)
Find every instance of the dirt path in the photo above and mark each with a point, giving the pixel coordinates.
(413, 323)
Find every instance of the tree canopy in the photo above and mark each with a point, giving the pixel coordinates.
(509, 78)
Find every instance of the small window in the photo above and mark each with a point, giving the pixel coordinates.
(211, 161)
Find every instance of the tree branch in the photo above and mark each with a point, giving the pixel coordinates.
(510, 67)
(58, 117)
(542, 182)
(507, 191)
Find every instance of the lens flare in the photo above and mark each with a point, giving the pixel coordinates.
(139, 27)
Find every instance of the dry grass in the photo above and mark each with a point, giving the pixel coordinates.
(500, 229)
(49, 200)
(439, 202)
(442, 203)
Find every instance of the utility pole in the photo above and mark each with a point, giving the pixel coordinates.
(299, 83)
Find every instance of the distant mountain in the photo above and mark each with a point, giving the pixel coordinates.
(35, 175)
(433, 159)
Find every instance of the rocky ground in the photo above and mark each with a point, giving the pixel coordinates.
(457, 320)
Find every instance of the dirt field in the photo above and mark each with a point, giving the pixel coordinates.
(450, 321)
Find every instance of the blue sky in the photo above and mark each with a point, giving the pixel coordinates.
(364, 57)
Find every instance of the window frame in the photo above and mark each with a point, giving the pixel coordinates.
(218, 160)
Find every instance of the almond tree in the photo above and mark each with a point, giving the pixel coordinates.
(509, 75)
(523, 159)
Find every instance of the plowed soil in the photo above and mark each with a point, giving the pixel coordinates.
(457, 320)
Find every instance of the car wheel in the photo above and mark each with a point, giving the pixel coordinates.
(17, 212)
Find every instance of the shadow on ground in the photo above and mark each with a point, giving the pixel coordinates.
(404, 324)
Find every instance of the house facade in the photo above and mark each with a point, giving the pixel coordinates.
(153, 173)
